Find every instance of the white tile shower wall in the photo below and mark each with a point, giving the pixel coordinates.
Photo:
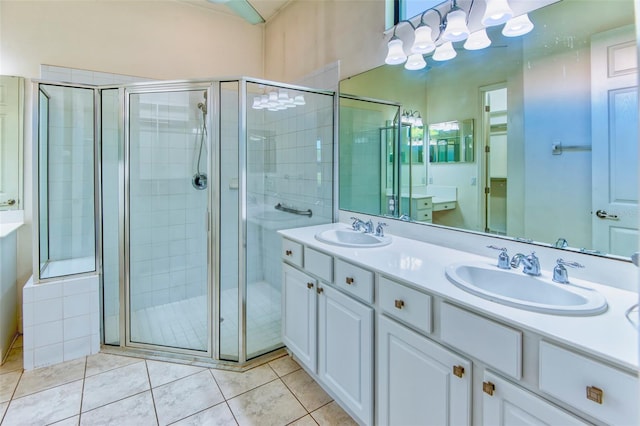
(70, 174)
(168, 229)
(61, 320)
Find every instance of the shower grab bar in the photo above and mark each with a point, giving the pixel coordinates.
(558, 148)
(307, 212)
(10, 202)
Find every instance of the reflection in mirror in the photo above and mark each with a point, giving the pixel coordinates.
(451, 142)
(11, 125)
(556, 130)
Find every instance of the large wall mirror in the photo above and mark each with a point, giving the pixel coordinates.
(555, 133)
(11, 141)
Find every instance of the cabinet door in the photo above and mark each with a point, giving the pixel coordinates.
(299, 315)
(419, 381)
(345, 345)
(505, 404)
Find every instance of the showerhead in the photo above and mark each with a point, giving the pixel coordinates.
(203, 107)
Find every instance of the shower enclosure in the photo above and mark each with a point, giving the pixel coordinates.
(195, 178)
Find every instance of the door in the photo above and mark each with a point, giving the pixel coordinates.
(505, 404)
(417, 381)
(614, 105)
(167, 232)
(495, 159)
(299, 315)
(345, 343)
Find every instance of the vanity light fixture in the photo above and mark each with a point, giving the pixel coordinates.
(411, 117)
(496, 12)
(477, 40)
(277, 101)
(444, 52)
(517, 26)
(422, 40)
(456, 24)
(415, 62)
(395, 54)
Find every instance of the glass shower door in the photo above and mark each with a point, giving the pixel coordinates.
(167, 229)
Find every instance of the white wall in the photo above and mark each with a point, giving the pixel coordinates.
(156, 39)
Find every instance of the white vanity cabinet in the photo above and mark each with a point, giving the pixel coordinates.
(419, 381)
(345, 350)
(505, 404)
(299, 315)
(328, 330)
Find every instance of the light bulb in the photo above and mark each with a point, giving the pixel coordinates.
(456, 29)
(422, 42)
(496, 12)
(299, 100)
(518, 26)
(415, 62)
(396, 53)
(478, 40)
(444, 52)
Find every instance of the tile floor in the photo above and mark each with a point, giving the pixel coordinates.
(106, 389)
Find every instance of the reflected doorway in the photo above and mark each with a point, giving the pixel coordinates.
(495, 159)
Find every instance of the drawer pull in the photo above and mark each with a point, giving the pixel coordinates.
(288, 252)
(488, 388)
(319, 290)
(399, 304)
(458, 370)
(594, 394)
(349, 280)
(309, 285)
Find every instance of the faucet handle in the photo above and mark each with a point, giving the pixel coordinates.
(357, 223)
(380, 230)
(560, 274)
(503, 257)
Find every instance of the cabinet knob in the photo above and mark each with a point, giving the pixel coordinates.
(319, 290)
(349, 280)
(399, 304)
(309, 285)
(488, 388)
(288, 252)
(594, 394)
(458, 370)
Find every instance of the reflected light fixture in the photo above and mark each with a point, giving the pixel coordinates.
(456, 24)
(411, 117)
(277, 101)
(477, 40)
(496, 12)
(518, 26)
(415, 62)
(444, 52)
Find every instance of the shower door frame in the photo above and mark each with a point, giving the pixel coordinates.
(212, 218)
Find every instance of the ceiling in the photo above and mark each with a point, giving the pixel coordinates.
(266, 8)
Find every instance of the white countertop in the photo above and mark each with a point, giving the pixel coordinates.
(8, 228)
(609, 336)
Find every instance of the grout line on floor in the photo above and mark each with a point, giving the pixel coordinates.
(153, 399)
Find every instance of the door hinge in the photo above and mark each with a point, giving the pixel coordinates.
(487, 190)
(487, 108)
(487, 149)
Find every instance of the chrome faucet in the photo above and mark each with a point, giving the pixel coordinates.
(503, 257)
(560, 274)
(380, 229)
(368, 227)
(358, 224)
(531, 263)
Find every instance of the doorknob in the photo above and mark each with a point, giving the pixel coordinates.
(604, 215)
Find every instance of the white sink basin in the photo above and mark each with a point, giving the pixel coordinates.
(513, 288)
(349, 238)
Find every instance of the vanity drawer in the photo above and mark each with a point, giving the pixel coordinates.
(354, 280)
(405, 304)
(292, 252)
(423, 203)
(599, 390)
(444, 206)
(423, 215)
(319, 264)
(496, 345)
